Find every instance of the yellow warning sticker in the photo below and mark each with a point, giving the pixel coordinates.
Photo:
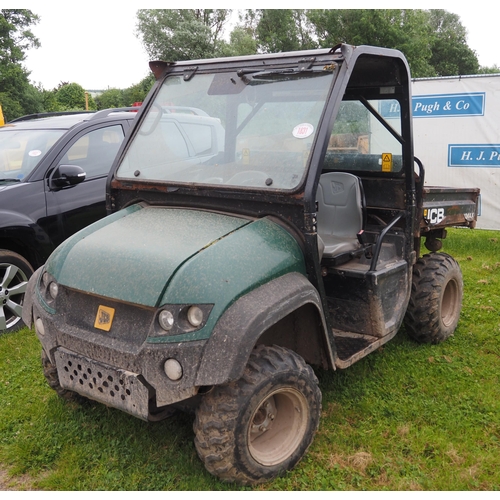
(246, 156)
(386, 162)
(104, 318)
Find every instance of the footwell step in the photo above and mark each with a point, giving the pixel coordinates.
(348, 346)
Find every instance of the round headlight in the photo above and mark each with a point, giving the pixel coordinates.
(53, 290)
(195, 316)
(39, 328)
(173, 369)
(166, 320)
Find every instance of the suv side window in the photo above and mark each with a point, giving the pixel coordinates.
(174, 140)
(95, 151)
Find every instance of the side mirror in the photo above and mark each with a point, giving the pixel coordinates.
(67, 175)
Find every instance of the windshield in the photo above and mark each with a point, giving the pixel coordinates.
(22, 150)
(233, 128)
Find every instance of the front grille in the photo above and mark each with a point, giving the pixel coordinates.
(114, 387)
(131, 322)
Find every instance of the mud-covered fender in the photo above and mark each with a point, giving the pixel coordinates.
(27, 313)
(238, 330)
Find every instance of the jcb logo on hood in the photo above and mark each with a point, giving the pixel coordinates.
(104, 318)
(434, 215)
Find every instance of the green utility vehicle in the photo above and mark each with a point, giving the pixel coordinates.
(265, 217)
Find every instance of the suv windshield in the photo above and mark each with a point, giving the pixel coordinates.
(22, 150)
(234, 128)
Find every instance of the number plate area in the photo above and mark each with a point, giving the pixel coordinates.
(111, 386)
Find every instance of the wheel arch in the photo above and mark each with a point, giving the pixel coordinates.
(27, 315)
(285, 311)
(21, 235)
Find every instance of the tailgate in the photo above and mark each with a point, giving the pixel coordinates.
(447, 206)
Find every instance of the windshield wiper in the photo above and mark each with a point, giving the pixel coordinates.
(270, 72)
(304, 66)
(277, 75)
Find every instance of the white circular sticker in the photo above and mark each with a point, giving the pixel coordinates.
(35, 152)
(303, 130)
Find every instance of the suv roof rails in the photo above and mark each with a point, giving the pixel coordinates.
(95, 114)
(49, 114)
(105, 112)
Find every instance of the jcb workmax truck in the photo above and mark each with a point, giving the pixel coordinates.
(265, 218)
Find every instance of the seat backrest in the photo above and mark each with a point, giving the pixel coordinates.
(340, 205)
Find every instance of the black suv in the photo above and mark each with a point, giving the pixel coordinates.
(53, 170)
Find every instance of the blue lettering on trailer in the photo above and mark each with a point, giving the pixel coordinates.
(440, 105)
(474, 155)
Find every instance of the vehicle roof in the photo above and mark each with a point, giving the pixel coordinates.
(49, 122)
(158, 66)
(67, 120)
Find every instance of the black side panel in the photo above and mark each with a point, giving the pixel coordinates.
(369, 303)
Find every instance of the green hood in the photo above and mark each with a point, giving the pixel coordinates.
(133, 254)
(155, 256)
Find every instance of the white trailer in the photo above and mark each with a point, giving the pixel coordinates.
(456, 124)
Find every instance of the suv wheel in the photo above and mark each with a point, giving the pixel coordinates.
(436, 298)
(261, 425)
(15, 272)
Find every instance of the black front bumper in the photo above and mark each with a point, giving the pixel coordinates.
(125, 373)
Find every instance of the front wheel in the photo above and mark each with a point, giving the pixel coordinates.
(436, 298)
(15, 272)
(261, 425)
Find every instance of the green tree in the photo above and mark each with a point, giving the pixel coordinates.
(282, 30)
(111, 98)
(489, 70)
(17, 95)
(13, 86)
(271, 30)
(49, 100)
(71, 97)
(406, 30)
(182, 34)
(450, 54)
(242, 42)
(15, 36)
(117, 98)
(433, 41)
(138, 92)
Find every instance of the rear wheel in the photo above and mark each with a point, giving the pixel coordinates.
(15, 272)
(261, 425)
(436, 298)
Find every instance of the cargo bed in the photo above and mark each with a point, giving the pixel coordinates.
(449, 206)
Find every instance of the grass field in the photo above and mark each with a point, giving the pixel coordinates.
(407, 417)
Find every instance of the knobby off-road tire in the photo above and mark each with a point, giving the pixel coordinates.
(260, 426)
(15, 271)
(50, 372)
(436, 298)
